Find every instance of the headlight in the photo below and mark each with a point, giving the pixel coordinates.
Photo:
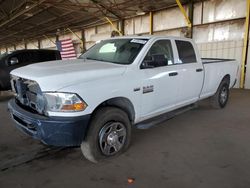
(64, 102)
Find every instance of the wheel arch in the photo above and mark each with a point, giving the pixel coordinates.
(122, 103)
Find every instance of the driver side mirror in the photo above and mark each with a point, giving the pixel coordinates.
(13, 61)
(147, 64)
(155, 60)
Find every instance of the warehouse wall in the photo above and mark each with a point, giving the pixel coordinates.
(98, 33)
(48, 43)
(2, 50)
(219, 31)
(32, 45)
(20, 46)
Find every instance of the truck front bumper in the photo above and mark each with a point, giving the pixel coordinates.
(56, 131)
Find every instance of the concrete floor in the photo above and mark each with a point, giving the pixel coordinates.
(202, 148)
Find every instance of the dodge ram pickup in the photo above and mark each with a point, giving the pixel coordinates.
(94, 101)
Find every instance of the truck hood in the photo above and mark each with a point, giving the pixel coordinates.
(54, 75)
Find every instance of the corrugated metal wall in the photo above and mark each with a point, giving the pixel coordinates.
(223, 49)
(217, 39)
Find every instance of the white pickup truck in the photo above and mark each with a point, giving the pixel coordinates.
(121, 82)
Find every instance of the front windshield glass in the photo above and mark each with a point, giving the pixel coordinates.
(120, 51)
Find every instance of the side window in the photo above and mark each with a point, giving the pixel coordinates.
(186, 51)
(160, 54)
(34, 57)
(24, 57)
(46, 56)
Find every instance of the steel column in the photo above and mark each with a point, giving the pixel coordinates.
(244, 53)
(189, 24)
(151, 30)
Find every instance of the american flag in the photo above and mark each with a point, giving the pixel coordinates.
(66, 49)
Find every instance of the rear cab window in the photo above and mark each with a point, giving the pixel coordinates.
(186, 51)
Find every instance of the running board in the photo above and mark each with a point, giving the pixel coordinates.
(164, 117)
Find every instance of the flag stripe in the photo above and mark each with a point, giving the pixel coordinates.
(66, 49)
(68, 56)
(67, 45)
(68, 52)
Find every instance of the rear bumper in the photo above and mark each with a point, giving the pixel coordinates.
(56, 131)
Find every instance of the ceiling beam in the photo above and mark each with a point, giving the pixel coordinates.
(41, 10)
(106, 8)
(21, 13)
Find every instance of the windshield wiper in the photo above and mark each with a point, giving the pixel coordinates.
(94, 59)
(107, 61)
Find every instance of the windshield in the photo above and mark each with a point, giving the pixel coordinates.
(120, 51)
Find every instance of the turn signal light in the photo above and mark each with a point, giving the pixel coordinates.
(74, 107)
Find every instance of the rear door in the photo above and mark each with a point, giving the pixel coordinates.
(192, 73)
(161, 83)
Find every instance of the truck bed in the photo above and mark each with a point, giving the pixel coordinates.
(214, 60)
(214, 71)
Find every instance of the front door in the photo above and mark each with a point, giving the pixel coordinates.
(161, 83)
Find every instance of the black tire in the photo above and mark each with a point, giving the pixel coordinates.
(103, 134)
(220, 99)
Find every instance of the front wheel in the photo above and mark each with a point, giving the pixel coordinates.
(108, 135)
(220, 99)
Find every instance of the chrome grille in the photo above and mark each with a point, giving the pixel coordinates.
(28, 94)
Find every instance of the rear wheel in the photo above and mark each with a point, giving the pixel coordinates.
(108, 136)
(219, 100)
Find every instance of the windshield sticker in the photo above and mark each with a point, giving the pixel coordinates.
(138, 41)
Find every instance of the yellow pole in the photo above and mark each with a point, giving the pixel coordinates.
(49, 39)
(76, 35)
(244, 53)
(151, 23)
(111, 23)
(184, 13)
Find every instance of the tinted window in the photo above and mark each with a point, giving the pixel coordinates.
(160, 54)
(34, 57)
(47, 56)
(186, 51)
(23, 57)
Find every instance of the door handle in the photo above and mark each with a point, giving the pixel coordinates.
(199, 70)
(173, 74)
